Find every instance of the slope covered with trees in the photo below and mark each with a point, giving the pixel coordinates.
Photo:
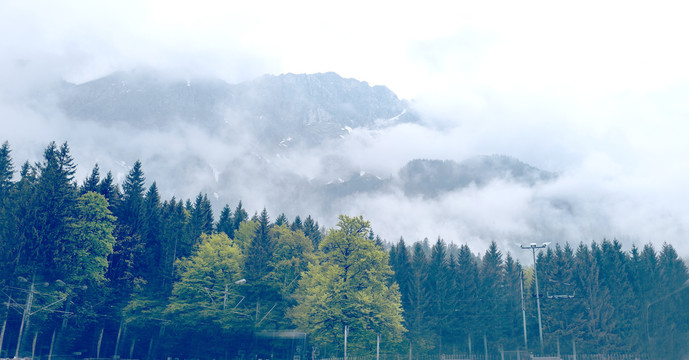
(99, 269)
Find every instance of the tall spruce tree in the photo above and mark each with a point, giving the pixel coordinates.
(53, 204)
(152, 238)
(438, 285)
(417, 316)
(240, 216)
(468, 289)
(110, 190)
(91, 182)
(201, 221)
(224, 223)
(491, 274)
(312, 231)
(7, 218)
(127, 260)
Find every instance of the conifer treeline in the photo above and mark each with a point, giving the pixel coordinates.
(139, 276)
(602, 298)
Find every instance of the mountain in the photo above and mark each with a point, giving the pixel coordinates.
(434, 178)
(431, 178)
(250, 140)
(282, 110)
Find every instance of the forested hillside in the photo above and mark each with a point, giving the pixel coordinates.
(100, 269)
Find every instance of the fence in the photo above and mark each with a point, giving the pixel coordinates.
(506, 355)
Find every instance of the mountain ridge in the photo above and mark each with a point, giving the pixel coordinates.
(306, 108)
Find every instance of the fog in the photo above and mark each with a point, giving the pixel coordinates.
(583, 91)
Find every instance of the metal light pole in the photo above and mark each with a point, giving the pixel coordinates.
(521, 285)
(533, 248)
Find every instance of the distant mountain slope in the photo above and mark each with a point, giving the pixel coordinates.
(281, 110)
(431, 178)
(145, 99)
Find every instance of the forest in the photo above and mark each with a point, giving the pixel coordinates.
(99, 269)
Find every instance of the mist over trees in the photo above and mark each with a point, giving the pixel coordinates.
(113, 269)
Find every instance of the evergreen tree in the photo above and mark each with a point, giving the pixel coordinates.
(312, 231)
(260, 251)
(597, 319)
(439, 289)
(403, 275)
(109, 189)
(224, 223)
(491, 274)
(91, 182)
(176, 242)
(417, 316)
(240, 216)
(201, 221)
(127, 259)
(467, 280)
(667, 313)
(152, 237)
(281, 220)
(297, 224)
(130, 210)
(52, 207)
(7, 218)
(510, 330)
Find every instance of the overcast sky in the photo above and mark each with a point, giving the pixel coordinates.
(594, 90)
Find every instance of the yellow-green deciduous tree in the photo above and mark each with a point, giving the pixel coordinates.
(349, 285)
(207, 292)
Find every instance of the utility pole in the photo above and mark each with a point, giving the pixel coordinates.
(346, 332)
(521, 285)
(25, 316)
(533, 248)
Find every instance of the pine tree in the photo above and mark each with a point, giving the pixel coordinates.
(281, 220)
(7, 218)
(312, 231)
(468, 288)
(152, 268)
(109, 189)
(597, 319)
(439, 289)
(91, 182)
(130, 210)
(53, 203)
(224, 223)
(491, 274)
(201, 217)
(403, 275)
(297, 224)
(240, 216)
(126, 262)
(511, 329)
(667, 314)
(417, 316)
(177, 244)
(260, 252)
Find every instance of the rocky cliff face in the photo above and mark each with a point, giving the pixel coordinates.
(281, 110)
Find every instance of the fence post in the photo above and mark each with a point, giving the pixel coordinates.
(574, 348)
